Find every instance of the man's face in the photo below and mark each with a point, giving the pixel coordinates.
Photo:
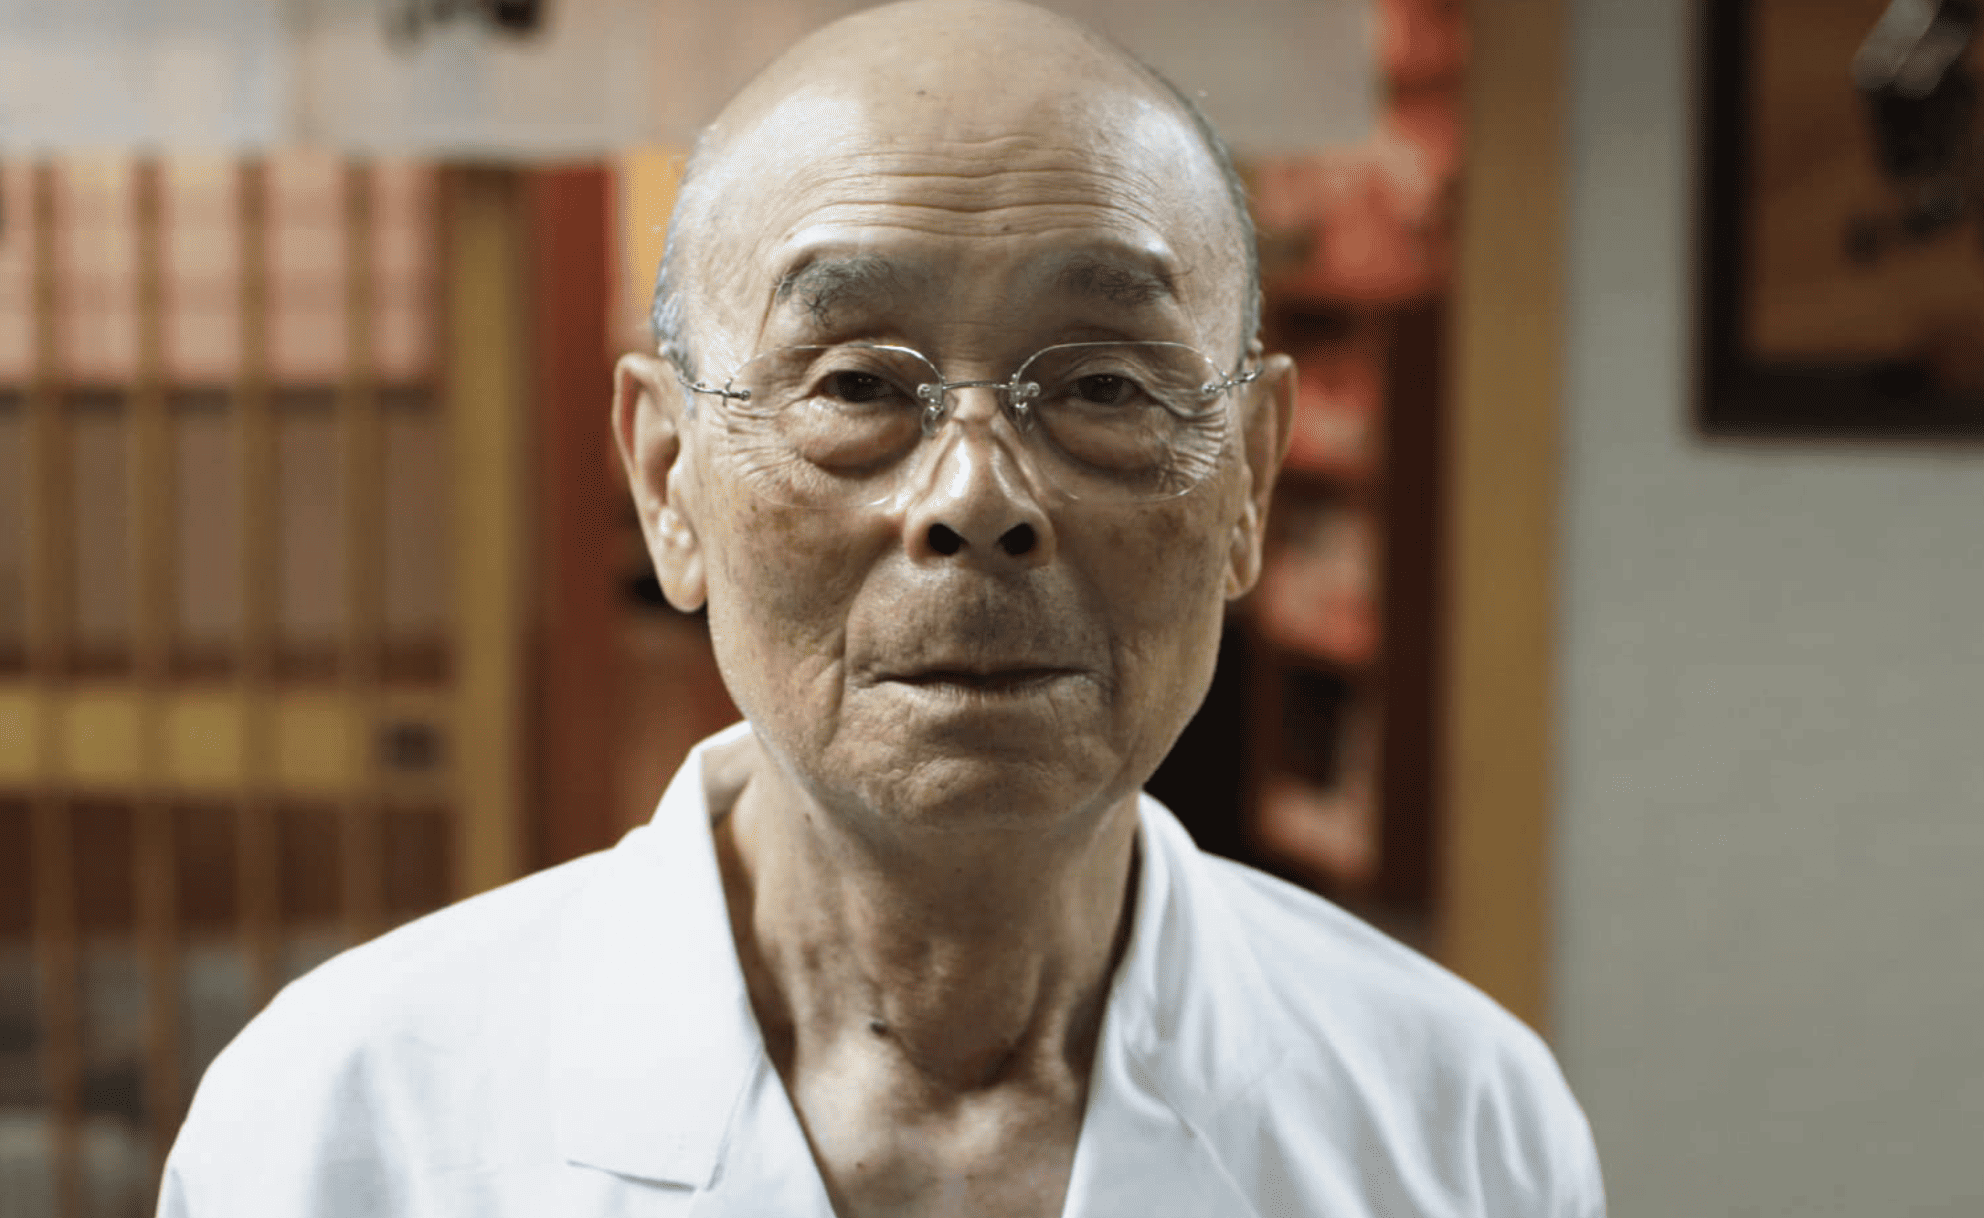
(981, 651)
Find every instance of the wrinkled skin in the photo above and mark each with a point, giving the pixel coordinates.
(939, 837)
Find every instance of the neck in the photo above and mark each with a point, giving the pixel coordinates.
(976, 960)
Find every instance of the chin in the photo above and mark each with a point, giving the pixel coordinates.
(992, 789)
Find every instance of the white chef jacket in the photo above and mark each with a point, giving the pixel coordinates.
(579, 1043)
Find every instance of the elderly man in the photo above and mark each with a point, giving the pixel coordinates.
(961, 432)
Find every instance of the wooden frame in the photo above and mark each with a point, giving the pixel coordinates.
(1758, 377)
(137, 740)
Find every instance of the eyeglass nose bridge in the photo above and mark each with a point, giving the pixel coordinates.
(1015, 397)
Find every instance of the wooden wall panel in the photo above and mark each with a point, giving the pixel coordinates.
(574, 634)
(1502, 515)
(486, 403)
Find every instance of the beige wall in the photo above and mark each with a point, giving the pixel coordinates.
(602, 74)
(1769, 968)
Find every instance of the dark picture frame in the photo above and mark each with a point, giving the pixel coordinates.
(1742, 392)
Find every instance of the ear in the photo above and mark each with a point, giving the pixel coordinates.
(648, 409)
(1266, 424)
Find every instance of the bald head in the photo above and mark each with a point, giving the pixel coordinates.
(948, 87)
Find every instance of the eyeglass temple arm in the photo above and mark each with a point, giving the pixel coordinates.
(741, 395)
(1238, 379)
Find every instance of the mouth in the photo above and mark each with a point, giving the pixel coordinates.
(987, 681)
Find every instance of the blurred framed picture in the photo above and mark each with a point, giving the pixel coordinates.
(1842, 273)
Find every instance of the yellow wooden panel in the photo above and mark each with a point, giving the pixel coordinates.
(1494, 903)
(487, 404)
(204, 740)
(648, 181)
(101, 734)
(20, 733)
(313, 744)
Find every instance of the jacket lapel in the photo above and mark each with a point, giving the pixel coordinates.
(767, 1166)
(655, 1040)
(1179, 1040)
(1140, 1158)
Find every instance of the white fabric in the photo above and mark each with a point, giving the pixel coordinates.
(579, 1043)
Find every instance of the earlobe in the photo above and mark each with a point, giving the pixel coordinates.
(647, 429)
(1268, 423)
(1243, 566)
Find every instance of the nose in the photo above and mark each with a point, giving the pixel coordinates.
(979, 502)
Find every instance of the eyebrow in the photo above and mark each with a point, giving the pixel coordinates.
(826, 283)
(1115, 281)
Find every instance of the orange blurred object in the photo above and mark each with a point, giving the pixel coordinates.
(1421, 42)
(1318, 594)
(1332, 835)
(1339, 396)
(1371, 221)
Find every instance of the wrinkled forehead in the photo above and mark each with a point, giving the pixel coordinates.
(1027, 172)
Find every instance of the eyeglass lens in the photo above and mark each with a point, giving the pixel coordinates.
(834, 426)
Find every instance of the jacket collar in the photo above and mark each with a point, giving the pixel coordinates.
(1181, 1039)
(655, 1043)
(1183, 1001)
(654, 1038)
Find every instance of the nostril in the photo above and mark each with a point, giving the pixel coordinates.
(1018, 540)
(945, 540)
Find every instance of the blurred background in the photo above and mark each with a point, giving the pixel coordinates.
(1648, 708)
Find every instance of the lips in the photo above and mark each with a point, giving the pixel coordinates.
(1015, 679)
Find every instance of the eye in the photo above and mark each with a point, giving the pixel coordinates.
(1105, 389)
(858, 387)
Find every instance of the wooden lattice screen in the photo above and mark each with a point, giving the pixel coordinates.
(258, 665)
